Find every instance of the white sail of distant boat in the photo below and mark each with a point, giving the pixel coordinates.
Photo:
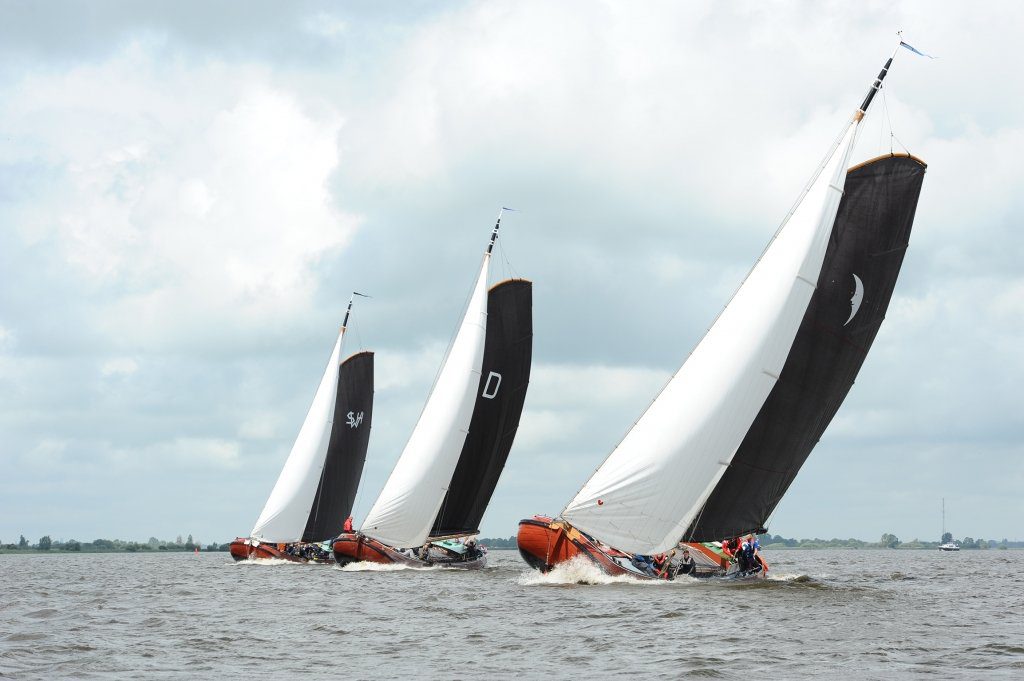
(404, 513)
(287, 509)
(315, 489)
(655, 482)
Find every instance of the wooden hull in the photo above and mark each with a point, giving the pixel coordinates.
(243, 549)
(545, 542)
(355, 548)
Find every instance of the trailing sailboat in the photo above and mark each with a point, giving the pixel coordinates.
(946, 545)
(313, 497)
(718, 447)
(444, 479)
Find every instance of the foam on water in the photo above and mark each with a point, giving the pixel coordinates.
(369, 566)
(579, 570)
(276, 562)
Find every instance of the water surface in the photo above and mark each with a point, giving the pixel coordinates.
(872, 614)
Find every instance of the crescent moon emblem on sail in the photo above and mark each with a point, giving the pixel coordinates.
(857, 299)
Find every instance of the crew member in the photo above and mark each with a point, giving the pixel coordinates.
(741, 554)
(687, 566)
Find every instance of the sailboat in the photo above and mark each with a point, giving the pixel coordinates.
(946, 545)
(716, 450)
(433, 501)
(313, 497)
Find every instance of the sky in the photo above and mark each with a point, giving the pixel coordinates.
(189, 192)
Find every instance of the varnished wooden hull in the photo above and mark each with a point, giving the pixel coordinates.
(544, 543)
(243, 549)
(355, 548)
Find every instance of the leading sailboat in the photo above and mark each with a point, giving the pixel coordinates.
(314, 493)
(443, 481)
(754, 396)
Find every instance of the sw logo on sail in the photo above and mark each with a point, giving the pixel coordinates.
(354, 420)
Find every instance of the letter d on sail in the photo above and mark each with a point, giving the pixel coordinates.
(489, 391)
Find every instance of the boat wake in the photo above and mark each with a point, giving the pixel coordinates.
(579, 570)
(795, 580)
(276, 562)
(369, 566)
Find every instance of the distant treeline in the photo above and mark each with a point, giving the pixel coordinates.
(45, 543)
(887, 540)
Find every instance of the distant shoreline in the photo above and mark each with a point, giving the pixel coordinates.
(52, 552)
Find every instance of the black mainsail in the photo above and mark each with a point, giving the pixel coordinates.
(865, 252)
(504, 377)
(346, 451)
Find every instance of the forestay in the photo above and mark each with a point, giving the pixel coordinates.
(646, 493)
(405, 510)
(287, 510)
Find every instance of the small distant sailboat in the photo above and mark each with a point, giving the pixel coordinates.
(444, 479)
(313, 497)
(946, 545)
(716, 450)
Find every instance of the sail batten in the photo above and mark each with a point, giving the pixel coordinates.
(405, 510)
(657, 479)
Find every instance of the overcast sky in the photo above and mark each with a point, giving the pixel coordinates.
(189, 191)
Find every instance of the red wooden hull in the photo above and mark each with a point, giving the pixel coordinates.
(243, 549)
(352, 547)
(545, 542)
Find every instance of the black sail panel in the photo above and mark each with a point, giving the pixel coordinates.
(505, 375)
(862, 262)
(346, 451)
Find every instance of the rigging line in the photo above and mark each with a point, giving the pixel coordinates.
(885, 108)
(881, 128)
(354, 328)
(506, 262)
(701, 513)
(901, 143)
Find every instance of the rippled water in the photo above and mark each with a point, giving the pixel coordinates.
(858, 614)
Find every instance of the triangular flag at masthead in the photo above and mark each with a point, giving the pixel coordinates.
(915, 50)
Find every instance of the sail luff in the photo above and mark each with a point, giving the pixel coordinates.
(651, 486)
(286, 512)
(405, 510)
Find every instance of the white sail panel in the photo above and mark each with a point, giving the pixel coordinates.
(284, 516)
(405, 510)
(646, 493)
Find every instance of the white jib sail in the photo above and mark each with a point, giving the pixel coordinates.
(646, 493)
(284, 517)
(407, 506)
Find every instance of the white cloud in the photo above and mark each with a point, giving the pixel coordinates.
(199, 189)
(119, 366)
